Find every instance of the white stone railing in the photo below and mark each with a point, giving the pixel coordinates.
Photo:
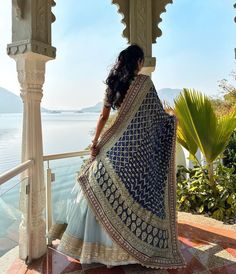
(65, 155)
(50, 177)
(25, 169)
(6, 176)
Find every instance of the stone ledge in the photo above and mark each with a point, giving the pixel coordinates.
(198, 219)
(34, 46)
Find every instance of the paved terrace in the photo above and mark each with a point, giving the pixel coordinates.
(209, 246)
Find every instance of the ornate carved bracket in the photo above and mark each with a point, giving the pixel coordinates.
(25, 46)
(157, 6)
(235, 17)
(53, 4)
(123, 9)
(33, 34)
(19, 8)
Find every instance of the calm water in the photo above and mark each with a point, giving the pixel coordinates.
(63, 132)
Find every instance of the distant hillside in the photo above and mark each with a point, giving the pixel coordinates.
(11, 103)
(95, 108)
(168, 94)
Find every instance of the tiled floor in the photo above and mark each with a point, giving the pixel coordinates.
(206, 249)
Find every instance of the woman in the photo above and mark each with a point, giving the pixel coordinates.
(122, 209)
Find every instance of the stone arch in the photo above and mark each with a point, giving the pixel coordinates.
(141, 19)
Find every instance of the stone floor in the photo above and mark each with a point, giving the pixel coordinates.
(207, 245)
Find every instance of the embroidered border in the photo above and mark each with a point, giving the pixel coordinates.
(91, 252)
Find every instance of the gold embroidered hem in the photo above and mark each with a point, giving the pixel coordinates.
(84, 238)
(94, 252)
(56, 231)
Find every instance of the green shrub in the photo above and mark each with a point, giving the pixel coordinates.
(195, 193)
(229, 154)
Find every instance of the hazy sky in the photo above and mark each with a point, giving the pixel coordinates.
(195, 50)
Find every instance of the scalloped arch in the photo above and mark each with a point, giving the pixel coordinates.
(123, 9)
(19, 8)
(158, 7)
(235, 17)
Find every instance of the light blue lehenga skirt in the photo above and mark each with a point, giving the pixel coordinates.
(91, 243)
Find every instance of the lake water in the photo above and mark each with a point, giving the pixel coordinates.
(62, 132)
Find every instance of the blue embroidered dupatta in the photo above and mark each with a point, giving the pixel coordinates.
(130, 185)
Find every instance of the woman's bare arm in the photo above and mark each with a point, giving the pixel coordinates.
(100, 125)
(101, 122)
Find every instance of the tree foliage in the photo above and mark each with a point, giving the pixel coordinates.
(227, 103)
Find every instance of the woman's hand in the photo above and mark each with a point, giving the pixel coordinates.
(100, 125)
(94, 149)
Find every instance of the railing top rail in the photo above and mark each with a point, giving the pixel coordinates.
(6, 176)
(65, 155)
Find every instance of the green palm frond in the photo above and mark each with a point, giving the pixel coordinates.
(199, 126)
(185, 126)
(226, 125)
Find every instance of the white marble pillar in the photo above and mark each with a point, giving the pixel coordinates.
(31, 71)
(31, 48)
(141, 31)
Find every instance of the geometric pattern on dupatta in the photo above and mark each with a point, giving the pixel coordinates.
(141, 229)
(141, 156)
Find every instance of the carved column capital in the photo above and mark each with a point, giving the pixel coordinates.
(31, 27)
(31, 71)
(26, 46)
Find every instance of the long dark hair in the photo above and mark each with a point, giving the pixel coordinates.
(122, 74)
